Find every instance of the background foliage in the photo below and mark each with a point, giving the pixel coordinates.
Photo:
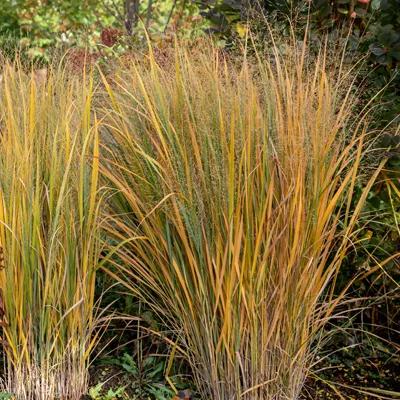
(37, 27)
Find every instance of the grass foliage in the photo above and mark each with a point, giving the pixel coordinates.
(49, 236)
(233, 184)
(231, 210)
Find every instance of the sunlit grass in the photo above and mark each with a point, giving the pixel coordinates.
(49, 209)
(232, 211)
(233, 190)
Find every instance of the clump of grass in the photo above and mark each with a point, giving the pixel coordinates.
(233, 187)
(49, 209)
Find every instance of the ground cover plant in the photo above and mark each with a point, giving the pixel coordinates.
(49, 236)
(232, 208)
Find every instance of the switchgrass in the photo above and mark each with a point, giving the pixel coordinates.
(49, 237)
(233, 189)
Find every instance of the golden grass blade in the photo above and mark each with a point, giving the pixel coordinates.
(49, 219)
(229, 185)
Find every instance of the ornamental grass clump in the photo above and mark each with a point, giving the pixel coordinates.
(233, 184)
(49, 236)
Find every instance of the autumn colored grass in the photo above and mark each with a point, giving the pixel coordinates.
(229, 213)
(49, 236)
(233, 189)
